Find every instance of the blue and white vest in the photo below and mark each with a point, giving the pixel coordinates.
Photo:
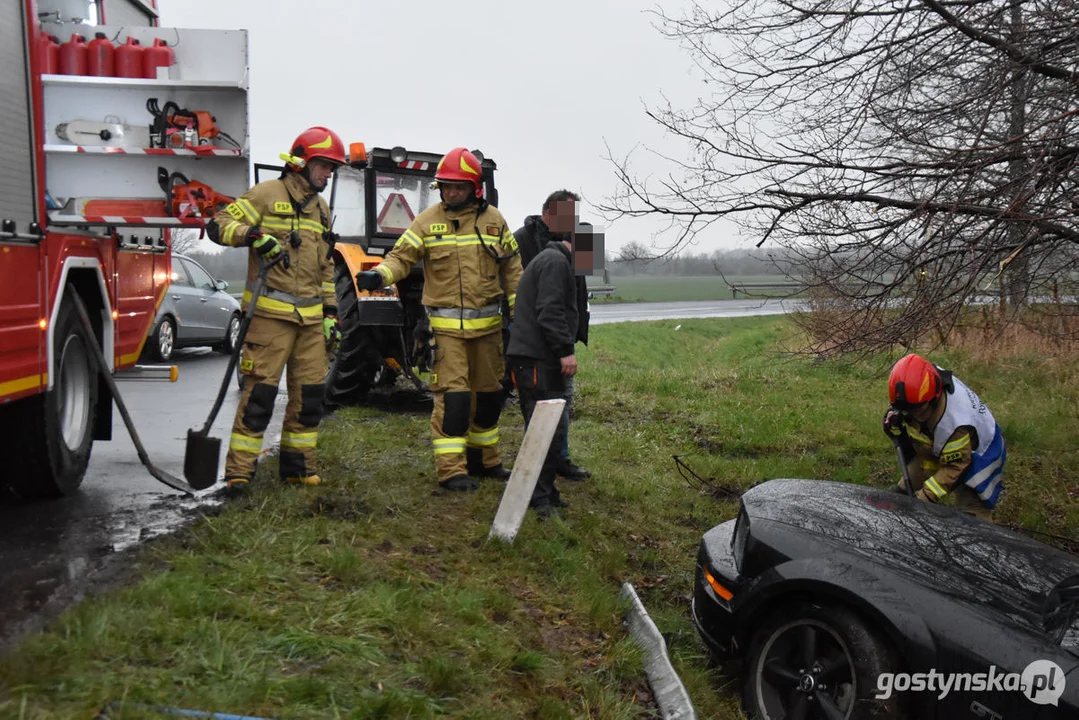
(987, 460)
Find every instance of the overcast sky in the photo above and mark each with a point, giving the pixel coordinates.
(542, 88)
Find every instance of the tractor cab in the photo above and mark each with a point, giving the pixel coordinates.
(381, 191)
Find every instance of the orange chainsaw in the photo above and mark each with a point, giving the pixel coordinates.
(189, 198)
(178, 128)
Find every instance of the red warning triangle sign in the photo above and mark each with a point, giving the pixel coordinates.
(396, 215)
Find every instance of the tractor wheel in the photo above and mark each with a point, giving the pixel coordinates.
(358, 363)
(52, 433)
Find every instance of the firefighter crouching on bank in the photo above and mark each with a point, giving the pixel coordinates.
(949, 439)
(470, 261)
(296, 314)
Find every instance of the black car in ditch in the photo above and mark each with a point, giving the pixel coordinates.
(842, 601)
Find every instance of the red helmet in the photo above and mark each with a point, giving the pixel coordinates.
(459, 165)
(316, 142)
(914, 380)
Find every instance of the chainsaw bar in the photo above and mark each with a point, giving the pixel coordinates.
(103, 134)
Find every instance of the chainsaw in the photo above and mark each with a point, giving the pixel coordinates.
(175, 127)
(110, 133)
(186, 198)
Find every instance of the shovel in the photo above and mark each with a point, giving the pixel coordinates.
(202, 452)
(903, 469)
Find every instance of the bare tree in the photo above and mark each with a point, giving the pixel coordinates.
(907, 154)
(185, 242)
(635, 255)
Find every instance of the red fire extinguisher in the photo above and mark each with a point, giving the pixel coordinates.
(73, 56)
(48, 53)
(159, 55)
(129, 59)
(100, 57)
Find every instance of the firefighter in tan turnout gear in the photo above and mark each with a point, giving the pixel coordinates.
(296, 314)
(470, 261)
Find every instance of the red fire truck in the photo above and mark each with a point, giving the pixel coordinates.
(89, 179)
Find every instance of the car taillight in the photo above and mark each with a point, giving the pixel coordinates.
(738, 540)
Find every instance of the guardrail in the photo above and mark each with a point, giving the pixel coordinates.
(745, 288)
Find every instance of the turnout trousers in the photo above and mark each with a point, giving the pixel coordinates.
(467, 388)
(272, 345)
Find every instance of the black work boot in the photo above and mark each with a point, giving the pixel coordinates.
(460, 483)
(571, 471)
(497, 472)
(476, 468)
(474, 461)
(236, 488)
(547, 510)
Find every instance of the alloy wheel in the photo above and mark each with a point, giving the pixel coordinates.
(805, 672)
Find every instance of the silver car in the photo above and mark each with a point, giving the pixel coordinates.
(196, 311)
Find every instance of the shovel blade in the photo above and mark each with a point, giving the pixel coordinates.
(200, 459)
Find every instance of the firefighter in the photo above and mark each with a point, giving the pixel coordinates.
(470, 264)
(295, 316)
(948, 437)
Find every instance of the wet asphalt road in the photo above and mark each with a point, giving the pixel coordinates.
(636, 312)
(52, 553)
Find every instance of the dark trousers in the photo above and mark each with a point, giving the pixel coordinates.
(537, 381)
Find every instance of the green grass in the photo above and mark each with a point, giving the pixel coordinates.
(647, 288)
(379, 596)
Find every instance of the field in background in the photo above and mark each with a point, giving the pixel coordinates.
(378, 595)
(647, 288)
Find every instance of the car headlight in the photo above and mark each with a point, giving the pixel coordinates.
(741, 535)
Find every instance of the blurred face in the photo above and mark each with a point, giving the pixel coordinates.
(561, 216)
(319, 172)
(456, 193)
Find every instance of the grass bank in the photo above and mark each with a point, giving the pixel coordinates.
(378, 595)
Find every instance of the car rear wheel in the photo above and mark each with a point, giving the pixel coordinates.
(811, 662)
(163, 340)
(232, 334)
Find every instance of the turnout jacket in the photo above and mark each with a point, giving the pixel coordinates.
(961, 443)
(545, 325)
(280, 207)
(470, 262)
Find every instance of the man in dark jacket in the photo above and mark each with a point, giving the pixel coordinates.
(558, 222)
(541, 353)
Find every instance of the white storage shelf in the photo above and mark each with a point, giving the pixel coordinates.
(207, 151)
(140, 83)
(210, 75)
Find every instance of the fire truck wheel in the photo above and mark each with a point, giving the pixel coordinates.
(57, 432)
(163, 340)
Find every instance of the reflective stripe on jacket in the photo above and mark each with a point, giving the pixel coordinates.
(280, 207)
(470, 262)
(275, 301)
